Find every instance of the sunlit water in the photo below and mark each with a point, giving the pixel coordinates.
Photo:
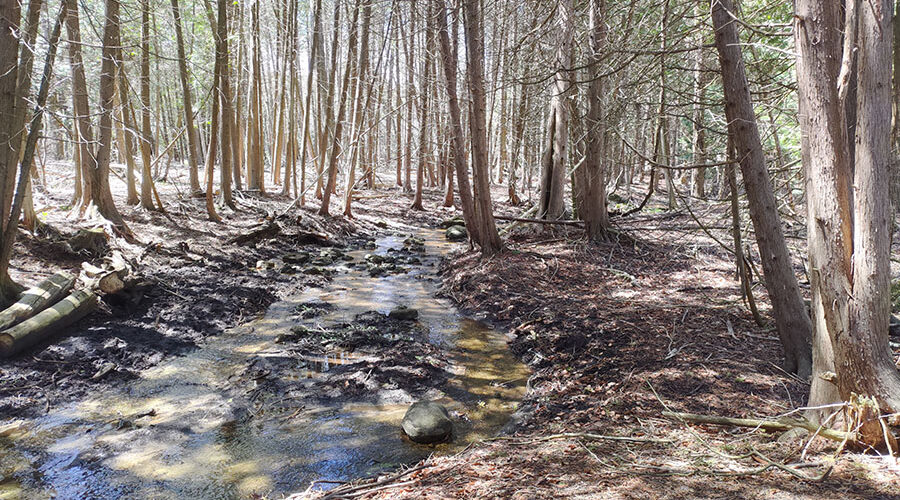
(205, 441)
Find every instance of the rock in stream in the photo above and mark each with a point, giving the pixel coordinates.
(427, 422)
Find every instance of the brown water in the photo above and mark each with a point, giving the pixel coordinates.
(204, 439)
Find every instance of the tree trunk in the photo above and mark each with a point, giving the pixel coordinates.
(32, 331)
(484, 210)
(791, 319)
(361, 102)
(227, 109)
(193, 141)
(552, 203)
(336, 148)
(146, 131)
(593, 172)
(36, 299)
(698, 156)
(423, 114)
(848, 201)
(123, 136)
(457, 136)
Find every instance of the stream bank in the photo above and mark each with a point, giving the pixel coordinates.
(313, 390)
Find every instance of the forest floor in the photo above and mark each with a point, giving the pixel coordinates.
(615, 334)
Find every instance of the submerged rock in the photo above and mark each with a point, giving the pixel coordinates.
(403, 313)
(427, 422)
(374, 258)
(457, 233)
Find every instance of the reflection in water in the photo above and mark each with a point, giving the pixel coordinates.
(184, 431)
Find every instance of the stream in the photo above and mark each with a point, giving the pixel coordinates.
(199, 426)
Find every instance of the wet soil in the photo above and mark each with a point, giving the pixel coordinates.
(313, 389)
(195, 287)
(194, 284)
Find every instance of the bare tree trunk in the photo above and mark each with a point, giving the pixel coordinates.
(227, 109)
(327, 132)
(410, 49)
(423, 114)
(12, 102)
(848, 200)
(124, 129)
(193, 156)
(336, 147)
(255, 167)
(146, 131)
(699, 139)
(484, 214)
(791, 319)
(213, 148)
(593, 172)
(457, 136)
(307, 110)
(360, 105)
(552, 203)
(82, 115)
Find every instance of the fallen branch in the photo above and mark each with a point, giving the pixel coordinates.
(351, 490)
(36, 299)
(782, 424)
(46, 323)
(109, 279)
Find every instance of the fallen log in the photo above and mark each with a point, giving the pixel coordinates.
(268, 231)
(46, 323)
(35, 300)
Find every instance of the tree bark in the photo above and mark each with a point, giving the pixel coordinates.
(593, 172)
(336, 147)
(193, 141)
(457, 136)
(848, 201)
(553, 179)
(791, 319)
(489, 239)
(146, 131)
(50, 321)
(423, 115)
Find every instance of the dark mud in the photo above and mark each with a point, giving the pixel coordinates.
(194, 286)
(373, 359)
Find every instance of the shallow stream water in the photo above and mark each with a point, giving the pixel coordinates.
(181, 430)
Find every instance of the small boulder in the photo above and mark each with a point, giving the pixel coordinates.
(316, 271)
(404, 313)
(427, 422)
(454, 221)
(322, 261)
(456, 233)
